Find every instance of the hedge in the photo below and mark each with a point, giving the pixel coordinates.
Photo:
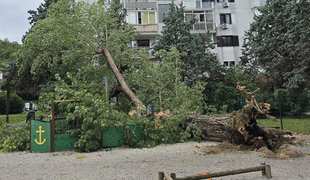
(16, 104)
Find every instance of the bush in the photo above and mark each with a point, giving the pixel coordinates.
(16, 104)
(14, 139)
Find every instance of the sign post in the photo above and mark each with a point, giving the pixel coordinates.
(105, 80)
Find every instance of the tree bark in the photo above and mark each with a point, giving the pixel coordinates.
(8, 98)
(217, 126)
(122, 82)
(240, 127)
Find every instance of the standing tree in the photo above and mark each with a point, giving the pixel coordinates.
(8, 68)
(7, 50)
(278, 43)
(10, 75)
(200, 62)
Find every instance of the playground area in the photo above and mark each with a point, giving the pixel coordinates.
(184, 159)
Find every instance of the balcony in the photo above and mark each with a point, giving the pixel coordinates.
(198, 4)
(140, 5)
(204, 26)
(257, 3)
(146, 28)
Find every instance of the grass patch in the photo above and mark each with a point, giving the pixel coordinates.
(301, 126)
(17, 118)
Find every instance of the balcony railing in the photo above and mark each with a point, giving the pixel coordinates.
(198, 4)
(146, 27)
(140, 5)
(149, 50)
(203, 26)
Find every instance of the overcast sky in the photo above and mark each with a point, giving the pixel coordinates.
(14, 18)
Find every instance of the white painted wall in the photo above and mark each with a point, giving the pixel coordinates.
(241, 16)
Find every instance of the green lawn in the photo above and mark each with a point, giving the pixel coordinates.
(17, 118)
(301, 126)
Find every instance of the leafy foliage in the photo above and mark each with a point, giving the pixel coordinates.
(95, 114)
(92, 109)
(278, 43)
(200, 62)
(14, 139)
(70, 39)
(16, 104)
(39, 14)
(7, 50)
(159, 84)
(223, 92)
(76, 64)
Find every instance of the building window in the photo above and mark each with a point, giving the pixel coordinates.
(140, 43)
(223, 41)
(225, 1)
(201, 16)
(229, 63)
(225, 18)
(141, 18)
(227, 40)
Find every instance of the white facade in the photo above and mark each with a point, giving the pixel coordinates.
(1, 79)
(227, 20)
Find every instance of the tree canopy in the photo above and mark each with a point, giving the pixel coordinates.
(200, 62)
(278, 43)
(7, 50)
(70, 39)
(39, 14)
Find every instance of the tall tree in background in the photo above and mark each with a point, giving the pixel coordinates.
(9, 71)
(7, 50)
(200, 62)
(278, 42)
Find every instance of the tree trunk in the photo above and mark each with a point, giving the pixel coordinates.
(122, 82)
(240, 127)
(218, 126)
(8, 98)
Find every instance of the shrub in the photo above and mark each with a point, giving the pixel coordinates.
(14, 139)
(16, 104)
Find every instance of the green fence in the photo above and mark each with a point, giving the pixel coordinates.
(283, 105)
(40, 136)
(63, 141)
(42, 140)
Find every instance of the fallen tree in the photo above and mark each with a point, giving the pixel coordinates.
(240, 127)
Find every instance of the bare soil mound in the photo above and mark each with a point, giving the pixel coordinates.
(282, 152)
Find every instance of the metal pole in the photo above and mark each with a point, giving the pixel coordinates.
(280, 109)
(106, 89)
(52, 126)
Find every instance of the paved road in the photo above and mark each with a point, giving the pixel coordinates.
(19, 124)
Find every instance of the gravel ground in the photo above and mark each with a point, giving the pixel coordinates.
(184, 159)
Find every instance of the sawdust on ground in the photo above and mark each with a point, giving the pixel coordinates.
(283, 152)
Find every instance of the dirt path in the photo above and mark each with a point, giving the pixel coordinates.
(184, 159)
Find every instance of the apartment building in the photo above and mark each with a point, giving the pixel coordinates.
(226, 20)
